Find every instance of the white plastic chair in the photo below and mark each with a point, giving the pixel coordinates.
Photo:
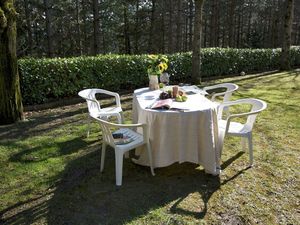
(95, 110)
(228, 127)
(230, 88)
(120, 149)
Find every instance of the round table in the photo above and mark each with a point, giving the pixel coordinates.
(186, 135)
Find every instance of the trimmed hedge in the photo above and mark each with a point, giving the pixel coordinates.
(45, 79)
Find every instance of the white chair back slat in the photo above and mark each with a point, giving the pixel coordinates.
(230, 88)
(120, 149)
(238, 129)
(94, 107)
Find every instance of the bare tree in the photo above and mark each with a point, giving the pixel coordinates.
(28, 27)
(196, 58)
(126, 30)
(286, 41)
(48, 12)
(96, 24)
(79, 41)
(152, 21)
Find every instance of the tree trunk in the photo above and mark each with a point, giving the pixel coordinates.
(212, 24)
(79, 41)
(231, 24)
(250, 9)
(163, 27)
(84, 28)
(151, 32)
(136, 28)
(126, 31)
(96, 23)
(28, 27)
(170, 28)
(49, 32)
(191, 16)
(196, 58)
(178, 26)
(205, 33)
(286, 42)
(11, 109)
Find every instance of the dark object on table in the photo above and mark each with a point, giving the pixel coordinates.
(164, 95)
(117, 135)
(183, 84)
(190, 93)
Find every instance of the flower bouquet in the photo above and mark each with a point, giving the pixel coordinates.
(157, 64)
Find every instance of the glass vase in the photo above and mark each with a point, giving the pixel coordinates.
(153, 82)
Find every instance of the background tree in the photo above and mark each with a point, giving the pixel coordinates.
(142, 26)
(11, 108)
(286, 44)
(196, 57)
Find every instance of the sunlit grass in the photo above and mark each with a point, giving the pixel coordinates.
(49, 170)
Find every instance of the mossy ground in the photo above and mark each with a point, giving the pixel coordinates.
(49, 170)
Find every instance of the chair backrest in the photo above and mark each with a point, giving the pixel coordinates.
(90, 96)
(257, 106)
(230, 88)
(106, 132)
(94, 106)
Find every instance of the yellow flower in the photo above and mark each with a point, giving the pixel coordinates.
(164, 58)
(153, 56)
(165, 66)
(161, 67)
(158, 64)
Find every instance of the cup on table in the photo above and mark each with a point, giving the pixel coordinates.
(175, 91)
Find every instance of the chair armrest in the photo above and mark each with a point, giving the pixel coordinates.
(232, 116)
(115, 125)
(211, 87)
(219, 94)
(93, 100)
(114, 94)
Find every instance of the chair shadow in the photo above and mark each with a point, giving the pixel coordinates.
(213, 185)
(82, 195)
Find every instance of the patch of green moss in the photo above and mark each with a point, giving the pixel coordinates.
(3, 20)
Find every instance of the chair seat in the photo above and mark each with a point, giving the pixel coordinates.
(235, 128)
(136, 139)
(106, 111)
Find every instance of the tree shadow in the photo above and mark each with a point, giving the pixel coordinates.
(83, 195)
(39, 124)
(245, 78)
(42, 153)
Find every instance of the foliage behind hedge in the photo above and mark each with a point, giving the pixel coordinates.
(44, 79)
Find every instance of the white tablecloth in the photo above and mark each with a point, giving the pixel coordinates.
(179, 136)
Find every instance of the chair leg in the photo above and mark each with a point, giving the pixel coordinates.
(119, 166)
(126, 155)
(250, 148)
(102, 156)
(121, 117)
(89, 125)
(150, 158)
(243, 143)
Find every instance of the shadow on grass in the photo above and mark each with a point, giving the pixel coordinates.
(38, 124)
(42, 152)
(51, 121)
(83, 195)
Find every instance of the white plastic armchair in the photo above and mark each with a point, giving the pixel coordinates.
(94, 107)
(120, 149)
(230, 88)
(228, 127)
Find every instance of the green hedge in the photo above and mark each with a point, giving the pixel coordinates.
(45, 79)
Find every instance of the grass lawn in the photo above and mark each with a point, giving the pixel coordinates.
(49, 170)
